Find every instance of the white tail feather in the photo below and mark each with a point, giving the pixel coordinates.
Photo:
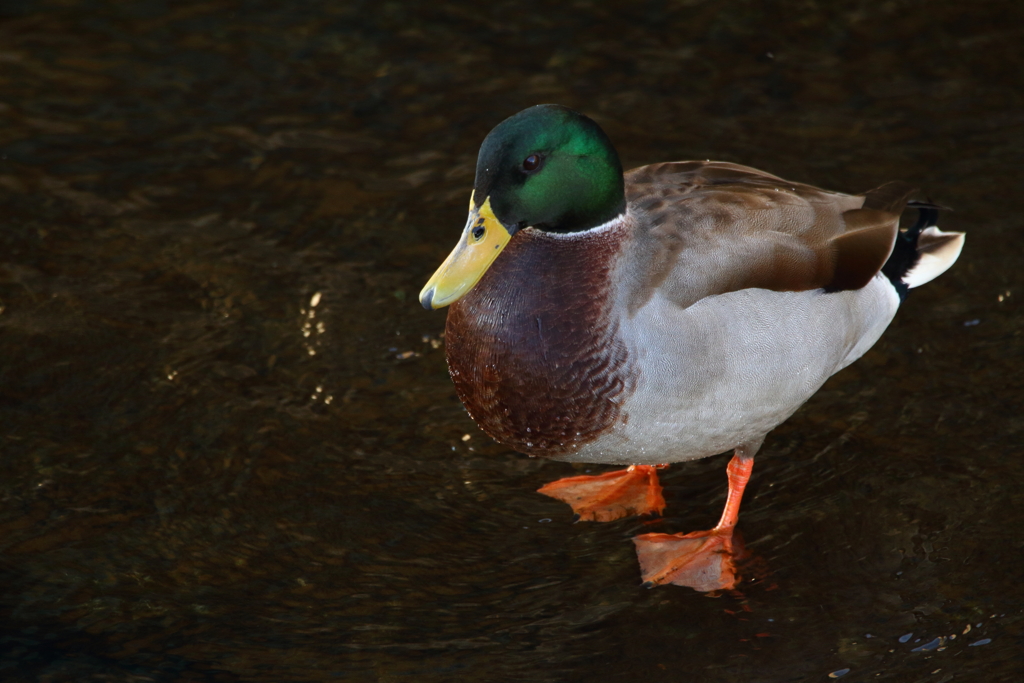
(937, 251)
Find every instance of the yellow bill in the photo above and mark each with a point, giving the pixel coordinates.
(482, 240)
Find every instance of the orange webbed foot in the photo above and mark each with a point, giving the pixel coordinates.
(702, 560)
(610, 496)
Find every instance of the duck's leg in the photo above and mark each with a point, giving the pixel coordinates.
(702, 560)
(610, 496)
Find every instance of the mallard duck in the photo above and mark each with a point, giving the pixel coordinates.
(674, 312)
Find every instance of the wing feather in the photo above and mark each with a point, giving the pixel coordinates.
(708, 228)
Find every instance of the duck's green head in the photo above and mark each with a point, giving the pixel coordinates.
(548, 168)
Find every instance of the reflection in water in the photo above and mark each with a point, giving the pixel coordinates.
(178, 180)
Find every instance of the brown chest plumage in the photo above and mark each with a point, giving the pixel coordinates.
(532, 350)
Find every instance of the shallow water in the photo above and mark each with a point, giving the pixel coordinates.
(231, 450)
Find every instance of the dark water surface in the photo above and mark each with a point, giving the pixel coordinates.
(231, 450)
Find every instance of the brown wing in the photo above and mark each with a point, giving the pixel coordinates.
(714, 227)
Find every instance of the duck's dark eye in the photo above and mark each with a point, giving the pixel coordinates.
(531, 162)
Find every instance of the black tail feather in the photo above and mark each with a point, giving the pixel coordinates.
(904, 252)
